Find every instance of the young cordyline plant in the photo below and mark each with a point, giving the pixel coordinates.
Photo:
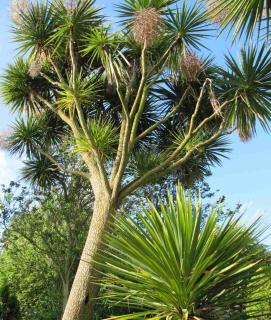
(174, 124)
(168, 262)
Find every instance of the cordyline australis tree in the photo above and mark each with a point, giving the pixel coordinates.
(136, 105)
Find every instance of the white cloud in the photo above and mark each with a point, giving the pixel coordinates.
(9, 168)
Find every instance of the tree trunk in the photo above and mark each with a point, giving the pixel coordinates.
(184, 314)
(81, 300)
(65, 294)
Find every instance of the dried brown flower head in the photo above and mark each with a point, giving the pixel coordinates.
(245, 136)
(34, 68)
(215, 105)
(17, 8)
(217, 14)
(191, 66)
(70, 5)
(147, 26)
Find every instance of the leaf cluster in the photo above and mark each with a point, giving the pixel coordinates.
(169, 263)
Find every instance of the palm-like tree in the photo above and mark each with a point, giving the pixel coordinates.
(134, 106)
(170, 263)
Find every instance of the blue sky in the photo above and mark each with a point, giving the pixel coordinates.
(245, 177)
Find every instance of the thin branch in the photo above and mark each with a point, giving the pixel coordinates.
(62, 168)
(193, 118)
(57, 111)
(163, 169)
(119, 152)
(161, 63)
(137, 117)
(82, 121)
(123, 100)
(57, 70)
(167, 164)
(212, 116)
(140, 99)
(77, 103)
(50, 80)
(193, 131)
(165, 119)
(71, 122)
(81, 117)
(165, 55)
(123, 160)
(178, 163)
(99, 162)
(142, 81)
(73, 60)
(123, 153)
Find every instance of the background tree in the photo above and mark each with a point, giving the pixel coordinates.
(32, 278)
(53, 226)
(136, 99)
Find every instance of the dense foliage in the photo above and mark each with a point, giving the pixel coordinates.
(43, 238)
(9, 305)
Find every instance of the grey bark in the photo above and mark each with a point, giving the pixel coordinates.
(81, 299)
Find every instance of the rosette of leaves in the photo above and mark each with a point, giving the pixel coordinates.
(170, 263)
(104, 137)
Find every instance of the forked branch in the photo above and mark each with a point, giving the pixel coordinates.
(173, 162)
(163, 120)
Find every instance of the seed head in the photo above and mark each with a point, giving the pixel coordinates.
(147, 26)
(245, 136)
(217, 13)
(70, 5)
(191, 66)
(34, 68)
(17, 8)
(215, 105)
